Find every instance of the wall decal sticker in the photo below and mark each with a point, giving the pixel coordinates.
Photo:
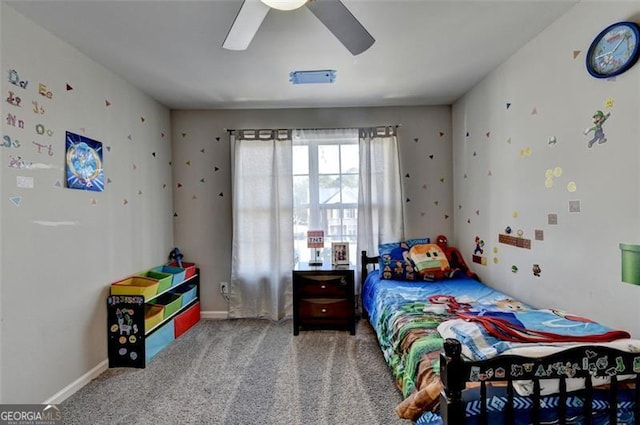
(539, 234)
(188, 163)
(536, 270)
(179, 185)
(431, 156)
(57, 184)
(69, 88)
(508, 105)
(408, 200)
(125, 202)
(41, 130)
(142, 119)
(415, 140)
(515, 214)
(514, 269)
(407, 175)
(47, 148)
(18, 162)
(14, 79)
(436, 203)
(534, 111)
(202, 180)
(153, 154)
(129, 137)
(216, 168)
(14, 100)
(424, 186)
(83, 164)
(14, 121)
(24, 182)
(8, 143)
(467, 134)
(107, 103)
(217, 138)
(576, 53)
(16, 200)
(442, 134)
(202, 150)
(608, 103)
(220, 194)
(517, 241)
(175, 214)
(488, 134)
(446, 216)
(108, 180)
(552, 141)
(43, 91)
(509, 140)
(37, 108)
(572, 187)
(598, 118)
(552, 218)
(184, 135)
(94, 202)
(574, 206)
(525, 152)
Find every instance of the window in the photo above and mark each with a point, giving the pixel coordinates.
(325, 189)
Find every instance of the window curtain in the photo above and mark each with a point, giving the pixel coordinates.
(262, 249)
(380, 202)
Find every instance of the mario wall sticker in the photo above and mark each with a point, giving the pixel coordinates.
(599, 118)
(478, 251)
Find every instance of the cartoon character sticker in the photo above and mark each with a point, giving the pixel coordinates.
(599, 118)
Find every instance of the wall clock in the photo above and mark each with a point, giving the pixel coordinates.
(614, 50)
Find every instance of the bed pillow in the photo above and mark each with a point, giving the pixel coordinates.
(430, 261)
(394, 260)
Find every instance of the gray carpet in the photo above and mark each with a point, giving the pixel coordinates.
(235, 372)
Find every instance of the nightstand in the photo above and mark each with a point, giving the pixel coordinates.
(323, 298)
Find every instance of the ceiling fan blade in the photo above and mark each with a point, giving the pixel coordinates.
(246, 24)
(339, 20)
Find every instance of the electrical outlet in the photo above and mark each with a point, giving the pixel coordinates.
(224, 288)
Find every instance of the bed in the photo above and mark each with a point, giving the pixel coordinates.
(455, 362)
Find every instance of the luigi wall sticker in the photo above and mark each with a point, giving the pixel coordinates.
(599, 118)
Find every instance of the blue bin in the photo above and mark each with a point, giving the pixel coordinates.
(188, 292)
(177, 272)
(155, 342)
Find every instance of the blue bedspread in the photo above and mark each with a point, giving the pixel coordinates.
(406, 316)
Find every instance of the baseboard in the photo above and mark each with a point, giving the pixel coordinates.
(214, 315)
(70, 389)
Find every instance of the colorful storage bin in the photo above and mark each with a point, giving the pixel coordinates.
(165, 280)
(189, 268)
(188, 292)
(153, 314)
(186, 319)
(135, 285)
(155, 342)
(178, 273)
(170, 302)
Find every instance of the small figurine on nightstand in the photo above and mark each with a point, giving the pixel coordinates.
(176, 255)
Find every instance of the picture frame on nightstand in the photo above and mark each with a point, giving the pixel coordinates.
(339, 253)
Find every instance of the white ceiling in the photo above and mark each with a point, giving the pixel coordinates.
(427, 52)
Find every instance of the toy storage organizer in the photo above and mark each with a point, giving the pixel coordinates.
(146, 312)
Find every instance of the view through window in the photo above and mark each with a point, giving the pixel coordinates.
(325, 190)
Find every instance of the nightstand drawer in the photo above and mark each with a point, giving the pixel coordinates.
(322, 285)
(325, 308)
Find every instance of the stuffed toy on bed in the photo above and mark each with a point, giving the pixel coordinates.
(430, 261)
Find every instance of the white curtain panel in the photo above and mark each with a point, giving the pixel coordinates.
(380, 203)
(262, 251)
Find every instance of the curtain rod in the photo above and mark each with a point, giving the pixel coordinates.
(231, 130)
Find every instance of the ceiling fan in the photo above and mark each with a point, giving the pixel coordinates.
(332, 13)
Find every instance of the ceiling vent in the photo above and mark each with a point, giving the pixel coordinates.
(312, 77)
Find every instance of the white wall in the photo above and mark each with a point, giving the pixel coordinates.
(203, 223)
(551, 94)
(63, 247)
